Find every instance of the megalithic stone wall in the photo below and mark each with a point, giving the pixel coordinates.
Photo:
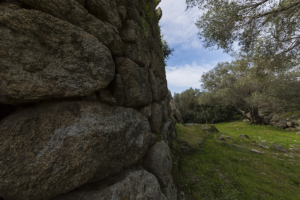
(83, 98)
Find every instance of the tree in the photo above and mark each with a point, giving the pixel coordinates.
(242, 84)
(193, 112)
(273, 24)
(167, 51)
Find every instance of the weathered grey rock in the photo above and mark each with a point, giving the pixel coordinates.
(54, 148)
(60, 61)
(162, 87)
(256, 151)
(279, 148)
(222, 138)
(158, 1)
(263, 146)
(244, 136)
(156, 117)
(137, 91)
(92, 97)
(138, 185)
(106, 10)
(105, 96)
(74, 13)
(135, 43)
(116, 89)
(82, 2)
(168, 131)
(122, 12)
(154, 86)
(164, 110)
(181, 195)
(157, 65)
(158, 161)
(146, 111)
(170, 191)
(158, 13)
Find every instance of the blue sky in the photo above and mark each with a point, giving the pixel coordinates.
(190, 59)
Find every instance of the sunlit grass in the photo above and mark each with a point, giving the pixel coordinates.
(221, 170)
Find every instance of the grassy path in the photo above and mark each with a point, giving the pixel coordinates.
(227, 169)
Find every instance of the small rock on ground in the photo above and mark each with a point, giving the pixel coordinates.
(293, 149)
(222, 138)
(256, 151)
(244, 136)
(280, 148)
(263, 146)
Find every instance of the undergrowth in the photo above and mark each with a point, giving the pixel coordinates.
(228, 170)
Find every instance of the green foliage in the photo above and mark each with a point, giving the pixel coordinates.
(290, 114)
(173, 120)
(193, 111)
(271, 25)
(149, 14)
(228, 170)
(165, 49)
(242, 83)
(156, 3)
(159, 137)
(144, 26)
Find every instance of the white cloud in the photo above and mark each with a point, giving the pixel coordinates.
(186, 75)
(178, 25)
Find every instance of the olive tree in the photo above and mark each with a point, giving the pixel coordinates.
(272, 24)
(244, 85)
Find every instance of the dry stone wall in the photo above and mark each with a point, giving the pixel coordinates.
(83, 98)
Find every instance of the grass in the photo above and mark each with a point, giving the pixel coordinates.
(228, 170)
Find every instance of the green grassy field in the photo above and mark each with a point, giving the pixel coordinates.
(205, 167)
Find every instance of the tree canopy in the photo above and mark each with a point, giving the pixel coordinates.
(249, 88)
(271, 24)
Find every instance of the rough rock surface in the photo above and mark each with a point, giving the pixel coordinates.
(74, 13)
(168, 131)
(116, 89)
(138, 185)
(105, 96)
(82, 90)
(79, 141)
(156, 117)
(154, 86)
(105, 10)
(136, 88)
(159, 13)
(170, 191)
(58, 62)
(158, 161)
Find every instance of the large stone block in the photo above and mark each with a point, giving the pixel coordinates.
(158, 161)
(74, 13)
(137, 185)
(44, 57)
(137, 92)
(106, 10)
(168, 131)
(116, 88)
(135, 42)
(54, 148)
(157, 65)
(156, 117)
(154, 86)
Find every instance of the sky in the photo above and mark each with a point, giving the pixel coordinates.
(190, 59)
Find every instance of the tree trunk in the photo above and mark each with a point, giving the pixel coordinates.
(243, 113)
(255, 118)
